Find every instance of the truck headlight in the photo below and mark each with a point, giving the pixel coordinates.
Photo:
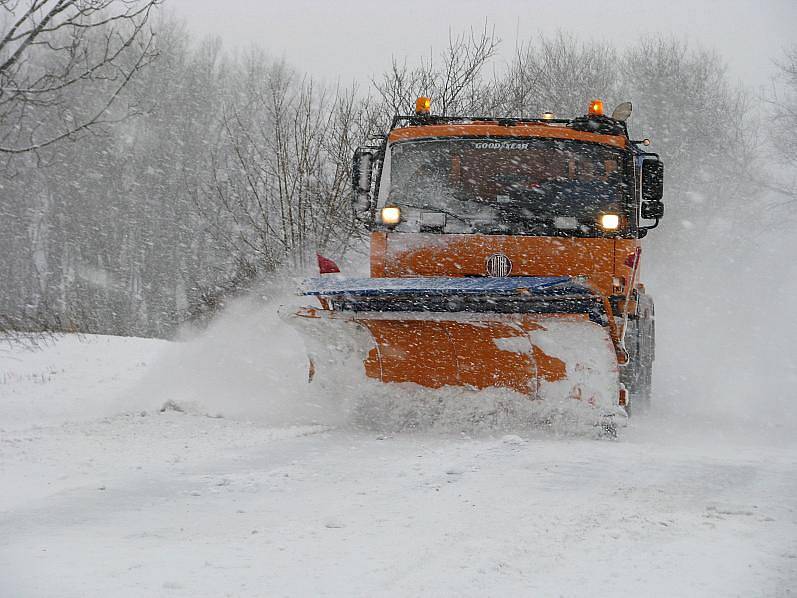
(391, 215)
(610, 221)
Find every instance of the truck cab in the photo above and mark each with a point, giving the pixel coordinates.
(512, 197)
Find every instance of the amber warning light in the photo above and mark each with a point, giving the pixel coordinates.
(423, 105)
(596, 108)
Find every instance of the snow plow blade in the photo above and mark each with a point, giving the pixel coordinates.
(546, 337)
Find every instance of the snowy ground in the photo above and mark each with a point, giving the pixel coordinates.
(102, 494)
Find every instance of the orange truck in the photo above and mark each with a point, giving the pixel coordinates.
(504, 252)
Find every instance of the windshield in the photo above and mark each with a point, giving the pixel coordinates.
(529, 186)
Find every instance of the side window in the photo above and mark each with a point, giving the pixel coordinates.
(384, 181)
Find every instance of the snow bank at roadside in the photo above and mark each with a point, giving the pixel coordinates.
(70, 377)
(247, 365)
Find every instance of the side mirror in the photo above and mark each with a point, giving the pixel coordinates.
(652, 210)
(652, 181)
(361, 175)
(622, 112)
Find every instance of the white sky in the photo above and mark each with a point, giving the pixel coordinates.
(354, 39)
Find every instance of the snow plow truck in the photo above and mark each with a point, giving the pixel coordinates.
(504, 252)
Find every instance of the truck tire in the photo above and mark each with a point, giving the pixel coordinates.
(641, 398)
(640, 342)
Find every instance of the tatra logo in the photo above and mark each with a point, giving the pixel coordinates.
(498, 265)
(501, 145)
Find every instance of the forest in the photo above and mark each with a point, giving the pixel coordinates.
(147, 176)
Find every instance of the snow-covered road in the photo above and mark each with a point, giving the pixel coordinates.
(178, 504)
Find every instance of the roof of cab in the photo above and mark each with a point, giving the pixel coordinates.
(486, 129)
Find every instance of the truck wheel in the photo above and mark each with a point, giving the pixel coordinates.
(644, 380)
(638, 376)
(640, 399)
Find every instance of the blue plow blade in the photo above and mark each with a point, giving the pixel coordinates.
(543, 286)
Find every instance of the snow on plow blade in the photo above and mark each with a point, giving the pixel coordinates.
(545, 337)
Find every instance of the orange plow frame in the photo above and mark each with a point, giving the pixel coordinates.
(519, 352)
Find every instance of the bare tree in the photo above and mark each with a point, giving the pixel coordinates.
(52, 48)
(278, 184)
(782, 100)
(454, 82)
(559, 73)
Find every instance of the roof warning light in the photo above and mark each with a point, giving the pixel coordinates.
(423, 106)
(596, 108)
